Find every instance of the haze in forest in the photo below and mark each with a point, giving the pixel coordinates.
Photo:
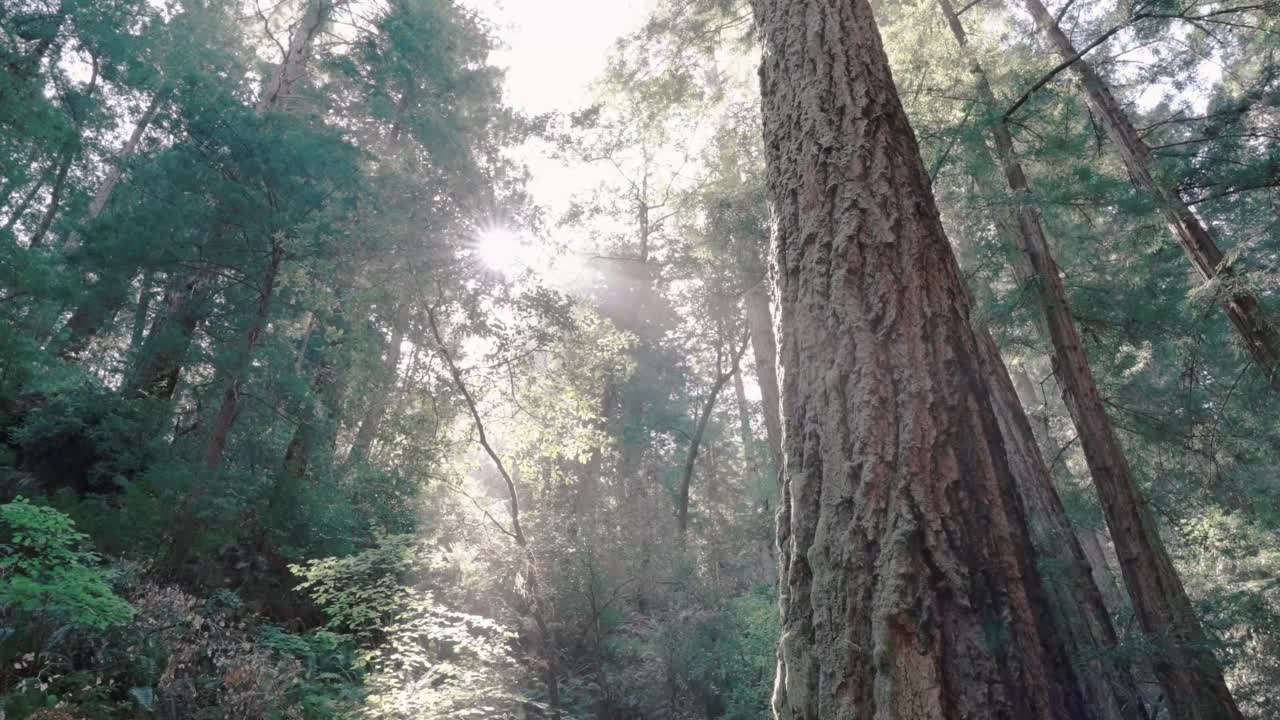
(639, 359)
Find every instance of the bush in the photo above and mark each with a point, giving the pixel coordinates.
(43, 569)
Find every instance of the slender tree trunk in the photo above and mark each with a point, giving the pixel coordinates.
(316, 431)
(90, 315)
(55, 197)
(700, 429)
(278, 94)
(1188, 672)
(909, 584)
(140, 312)
(116, 170)
(381, 401)
(744, 425)
(1242, 308)
(587, 500)
(228, 409)
(540, 606)
(25, 203)
(230, 406)
(765, 350)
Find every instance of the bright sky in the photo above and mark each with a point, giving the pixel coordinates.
(555, 48)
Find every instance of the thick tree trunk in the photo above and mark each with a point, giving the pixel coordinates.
(909, 585)
(1254, 330)
(1187, 670)
(763, 347)
(1078, 606)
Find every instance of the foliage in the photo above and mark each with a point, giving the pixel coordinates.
(45, 570)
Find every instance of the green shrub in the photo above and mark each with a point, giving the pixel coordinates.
(44, 569)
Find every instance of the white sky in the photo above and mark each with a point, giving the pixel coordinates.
(555, 48)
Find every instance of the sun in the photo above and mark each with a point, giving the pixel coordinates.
(502, 249)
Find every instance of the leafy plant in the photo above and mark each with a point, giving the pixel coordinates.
(44, 569)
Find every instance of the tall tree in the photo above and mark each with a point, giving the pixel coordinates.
(1187, 670)
(894, 583)
(1251, 325)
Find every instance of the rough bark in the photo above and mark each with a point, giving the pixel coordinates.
(1188, 672)
(765, 350)
(1078, 606)
(1247, 318)
(909, 586)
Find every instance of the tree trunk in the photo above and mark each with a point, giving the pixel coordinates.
(1241, 307)
(316, 430)
(1188, 672)
(744, 426)
(909, 585)
(230, 406)
(223, 421)
(278, 94)
(116, 170)
(381, 401)
(55, 197)
(25, 203)
(700, 429)
(763, 347)
(140, 312)
(90, 315)
(1078, 606)
(165, 348)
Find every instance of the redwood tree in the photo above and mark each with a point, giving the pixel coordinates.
(909, 587)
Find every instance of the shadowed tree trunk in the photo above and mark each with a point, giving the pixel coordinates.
(909, 586)
(55, 196)
(381, 401)
(165, 348)
(1251, 326)
(700, 428)
(1186, 668)
(225, 418)
(765, 350)
(116, 170)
